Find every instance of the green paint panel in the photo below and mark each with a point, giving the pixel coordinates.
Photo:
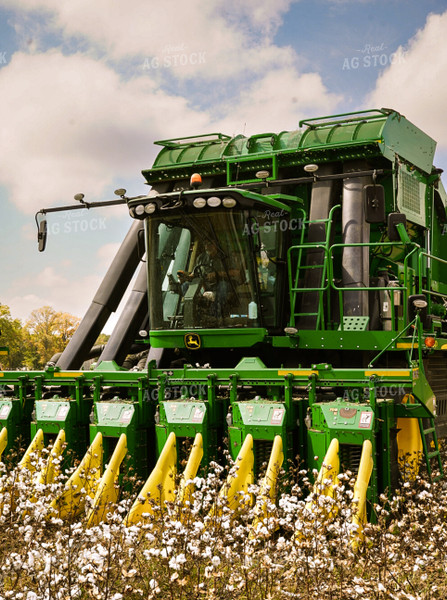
(343, 417)
(219, 338)
(16, 418)
(53, 415)
(185, 412)
(114, 418)
(54, 410)
(118, 415)
(262, 416)
(186, 419)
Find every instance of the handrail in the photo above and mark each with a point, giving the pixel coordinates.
(341, 290)
(336, 119)
(427, 290)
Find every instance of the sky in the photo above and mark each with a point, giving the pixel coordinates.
(86, 88)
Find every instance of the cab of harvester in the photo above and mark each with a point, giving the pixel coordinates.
(290, 301)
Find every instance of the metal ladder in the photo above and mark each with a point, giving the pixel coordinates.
(316, 291)
(428, 453)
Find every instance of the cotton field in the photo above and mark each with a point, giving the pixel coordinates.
(302, 547)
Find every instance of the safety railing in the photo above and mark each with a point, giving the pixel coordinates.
(425, 268)
(390, 289)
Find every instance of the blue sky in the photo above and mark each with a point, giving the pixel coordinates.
(86, 88)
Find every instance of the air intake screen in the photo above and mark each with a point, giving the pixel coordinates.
(411, 196)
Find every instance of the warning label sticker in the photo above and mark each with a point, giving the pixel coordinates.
(4, 411)
(277, 416)
(62, 412)
(365, 419)
(198, 415)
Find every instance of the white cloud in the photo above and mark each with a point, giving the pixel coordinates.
(416, 85)
(70, 123)
(278, 101)
(198, 38)
(106, 254)
(51, 287)
(57, 286)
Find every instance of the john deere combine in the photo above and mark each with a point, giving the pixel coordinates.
(290, 300)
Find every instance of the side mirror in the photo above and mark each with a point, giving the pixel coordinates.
(141, 245)
(42, 235)
(374, 203)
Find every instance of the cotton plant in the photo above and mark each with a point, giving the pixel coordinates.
(183, 551)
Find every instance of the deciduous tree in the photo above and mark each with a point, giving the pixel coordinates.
(12, 336)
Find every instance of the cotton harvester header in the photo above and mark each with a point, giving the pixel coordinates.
(291, 291)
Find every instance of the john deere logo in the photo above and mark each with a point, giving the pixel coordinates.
(193, 341)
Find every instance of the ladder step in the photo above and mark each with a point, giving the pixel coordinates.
(429, 430)
(311, 267)
(433, 454)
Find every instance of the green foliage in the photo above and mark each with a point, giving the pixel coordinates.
(32, 344)
(13, 337)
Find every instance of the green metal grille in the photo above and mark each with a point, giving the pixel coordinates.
(262, 450)
(350, 457)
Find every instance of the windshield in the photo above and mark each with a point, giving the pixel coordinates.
(211, 269)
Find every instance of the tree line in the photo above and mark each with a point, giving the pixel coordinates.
(31, 344)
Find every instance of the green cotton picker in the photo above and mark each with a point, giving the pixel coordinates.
(290, 301)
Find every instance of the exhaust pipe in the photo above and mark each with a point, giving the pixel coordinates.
(133, 315)
(355, 260)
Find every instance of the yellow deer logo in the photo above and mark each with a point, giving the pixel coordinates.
(192, 341)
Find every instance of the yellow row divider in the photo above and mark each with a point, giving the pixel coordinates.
(329, 471)
(83, 482)
(324, 484)
(269, 484)
(159, 488)
(3, 440)
(360, 488)
(108, 491)
(409, 447)
(186, 487)
(237, 483)
(35, 448)
(51, 470)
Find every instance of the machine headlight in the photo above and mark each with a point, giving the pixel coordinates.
(139, 210)
(199, 202)
(229, 202)
(150, 208)
(214, 201)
